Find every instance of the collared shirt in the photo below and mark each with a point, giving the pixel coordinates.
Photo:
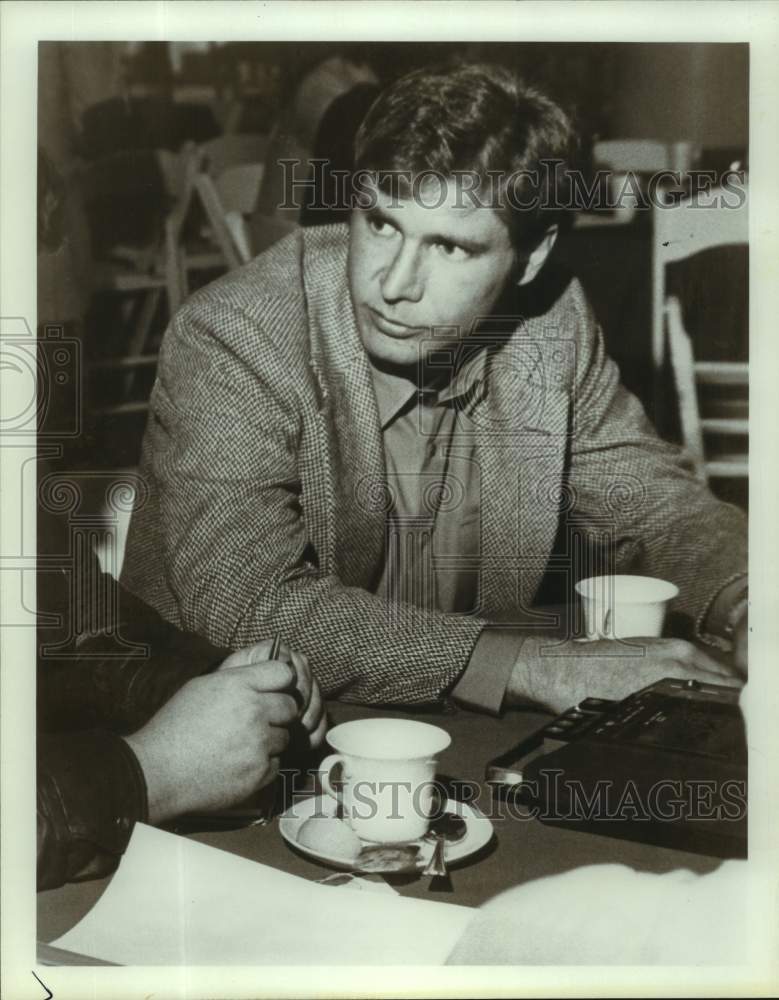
(433, 526)
(432, 540)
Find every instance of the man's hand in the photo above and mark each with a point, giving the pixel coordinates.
(217, 740)
(303, 686)
(557, 675)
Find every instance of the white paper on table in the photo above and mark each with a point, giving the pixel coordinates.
(174, 901)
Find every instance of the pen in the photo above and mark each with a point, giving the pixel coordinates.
(275, 652)
(276, 647)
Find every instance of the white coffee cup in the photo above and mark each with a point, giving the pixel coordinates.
(388, 768)
(617, 607)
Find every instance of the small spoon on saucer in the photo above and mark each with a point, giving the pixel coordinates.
(446, 829)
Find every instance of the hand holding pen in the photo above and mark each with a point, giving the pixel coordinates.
(287, 673)
(302, 686)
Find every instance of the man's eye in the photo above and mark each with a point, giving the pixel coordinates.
(453, 251)
(380, 227)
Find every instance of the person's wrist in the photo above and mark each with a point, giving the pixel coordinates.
(163, 794)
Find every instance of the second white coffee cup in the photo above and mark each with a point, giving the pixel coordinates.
(617, 607)
(388, 769)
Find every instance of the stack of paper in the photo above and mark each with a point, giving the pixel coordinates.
(174, 901)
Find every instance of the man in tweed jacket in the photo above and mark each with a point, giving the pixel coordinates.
(281, 452)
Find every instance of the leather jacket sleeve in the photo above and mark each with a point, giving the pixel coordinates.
(116, 673)
(91, 792)
(106, 682)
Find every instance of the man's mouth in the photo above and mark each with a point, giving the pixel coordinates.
(391, 327)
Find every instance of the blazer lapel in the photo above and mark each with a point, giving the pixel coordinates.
(521, 448)
(349, 421)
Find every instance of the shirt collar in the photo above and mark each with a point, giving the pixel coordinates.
(394, 393)
(471, 373)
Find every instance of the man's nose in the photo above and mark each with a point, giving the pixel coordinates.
(402, 278)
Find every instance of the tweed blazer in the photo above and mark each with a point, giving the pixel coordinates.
(265, 489)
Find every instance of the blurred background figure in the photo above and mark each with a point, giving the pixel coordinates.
(305, 130)
(72, 77)
(328, 200)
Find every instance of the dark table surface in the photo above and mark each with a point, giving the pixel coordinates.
(522, 848)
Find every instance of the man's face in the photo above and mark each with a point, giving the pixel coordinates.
(413, 266)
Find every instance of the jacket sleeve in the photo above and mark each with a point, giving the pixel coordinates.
(629, 484)
(226, 520)
(91, 792)
(128, 665)
(91, 789)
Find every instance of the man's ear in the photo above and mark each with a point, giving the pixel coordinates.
(538, 257)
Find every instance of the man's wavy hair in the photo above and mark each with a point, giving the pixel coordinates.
(476, 118)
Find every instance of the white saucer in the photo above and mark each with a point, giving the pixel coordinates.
(478, 833)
